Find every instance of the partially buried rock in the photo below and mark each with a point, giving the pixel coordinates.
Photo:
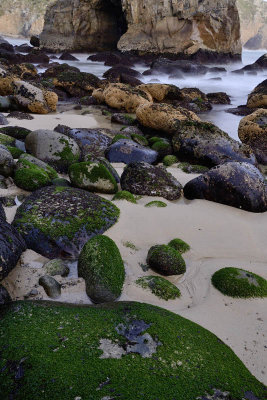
(51, 286)
(166, 260)
(101, 266)
(54, 148)
(204, 143)
(4, 296)
(235, 184)
(252, 130)
(58, 221)
(7, 163)
(93, 176)
(163, 117)
(11, 247)
(128, 151)
(145, 179)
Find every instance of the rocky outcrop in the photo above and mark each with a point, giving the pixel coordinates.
(253, 21)
(144, 26)
(22, 17)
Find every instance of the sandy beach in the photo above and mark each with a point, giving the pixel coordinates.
(219, 236)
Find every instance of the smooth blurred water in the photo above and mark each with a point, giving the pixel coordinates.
(236, 86)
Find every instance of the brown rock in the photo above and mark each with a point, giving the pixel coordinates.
(123, 97)
(258, 97)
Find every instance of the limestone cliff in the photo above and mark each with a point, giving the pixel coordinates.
(253, 18)
(144, 26)
(22, 17)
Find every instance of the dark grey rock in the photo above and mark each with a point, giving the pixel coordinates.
(4, 296)
(7, 163)
(128, 151)
(3, 120)
(51, 286)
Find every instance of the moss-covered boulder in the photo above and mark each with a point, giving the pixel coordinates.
(7, 163)
(51, 172)
(16, 132)
(179, 245)
(204, 143)
(166, 260)
(163, 117)
(125, 195)
(56, 149)
(140, 139)
(57, 221)
(127, 348)
(101, 266)
(169, 160)
(236, 282)
(258, 97)
(145, 179)
(56, 267)
(11, 247)
(15, 152)
(92, 142)
(163, 147)
(252, 130)
(128, 151)
(7, 140)
(92, 176)
(235, 184)
(29, 176)
(159, 286)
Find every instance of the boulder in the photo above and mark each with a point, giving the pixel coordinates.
(16, 132)
(235, 184)
(3, 120)
(39, 163)
(101, 266)
(163, 117)
(56, 267)
(92, 142)
(92, 176)
(252, 130)
(51, 286)
(123, 97)
(144, 179)
(204, 143)
(35, 41)
(11, 247)
(34, 99)
(7, 163)
(162, 93)
(123, 119)
(68, 57)
(172, 68)
(166, 260)
(77, 84)
(258, 97)
(57, 221)
(219, 98)
(57, 69)
(4, 296)
(29, 176)
(128, 151)
(56, 149)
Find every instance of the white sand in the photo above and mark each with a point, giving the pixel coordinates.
(220, 236)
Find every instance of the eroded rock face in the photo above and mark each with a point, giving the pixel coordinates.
(252, 130)
(58, 221)
(171, 26)
(235, 184)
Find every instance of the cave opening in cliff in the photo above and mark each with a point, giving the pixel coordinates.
(115, 7)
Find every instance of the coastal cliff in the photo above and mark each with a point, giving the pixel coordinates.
(253, 18)
(143, 26)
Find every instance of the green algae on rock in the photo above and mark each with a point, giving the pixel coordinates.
(57, 221)
(166, 260)
(29, 176)
(125, 195)
(179, 245)
(169, 160)
(237, 282)
(159, 286)
(93, 176)
(155, 203)
(66, 351)
(101, 266)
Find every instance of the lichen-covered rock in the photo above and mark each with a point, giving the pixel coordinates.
(34, 99)
(29, 176)
(101, 266)
(51, 286)
(219, 98)
(128, 151)
(92, 176)
(123, 97)
(56, 149)
(41, 164)
(163, 117)
(4, 296)
(252, 130)
(7, 163)
(92, 142)
(166, 260)
(11, 247)
(58, 221)
(235, 184)
(76, 83)
(56, 267)
(145, 179)
(162, 93)
(258, 97)
(204, 143)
